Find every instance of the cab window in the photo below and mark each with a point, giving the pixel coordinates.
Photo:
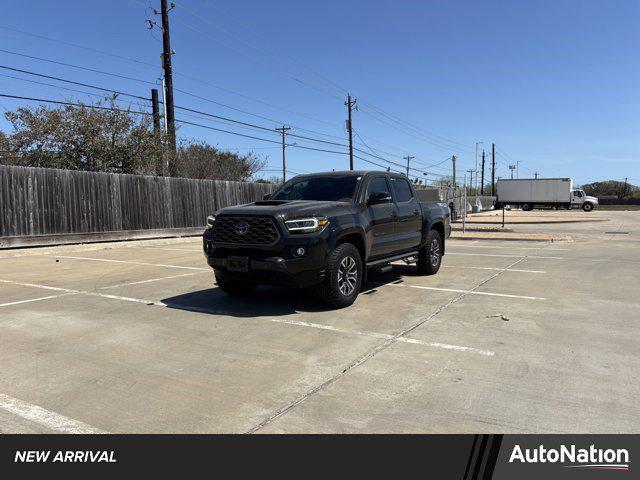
(401, 189)
(378, 184)
(577, 193)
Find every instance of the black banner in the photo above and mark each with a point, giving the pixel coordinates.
(463, 457)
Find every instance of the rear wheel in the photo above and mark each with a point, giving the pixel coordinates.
(343, 277)
(236, 288)
(587, 207)
(430, 256)
(527, 207)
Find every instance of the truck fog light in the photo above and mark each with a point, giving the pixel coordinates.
(300, 251)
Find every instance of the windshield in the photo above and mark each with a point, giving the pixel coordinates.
(329, 188)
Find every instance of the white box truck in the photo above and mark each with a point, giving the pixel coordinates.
(529, 193)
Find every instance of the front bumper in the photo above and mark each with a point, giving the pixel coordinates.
(274, 265)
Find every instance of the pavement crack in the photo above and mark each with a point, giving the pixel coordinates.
(374, 351)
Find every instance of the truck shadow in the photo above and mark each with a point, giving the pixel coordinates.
(269, 301)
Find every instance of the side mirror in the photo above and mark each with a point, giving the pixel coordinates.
(377, 198)
(266, 196)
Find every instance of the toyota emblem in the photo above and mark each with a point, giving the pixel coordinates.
(241, 228)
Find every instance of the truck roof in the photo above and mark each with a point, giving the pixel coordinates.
(355, 173)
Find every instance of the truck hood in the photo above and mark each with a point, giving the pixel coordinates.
(287, 209)
(591, 199)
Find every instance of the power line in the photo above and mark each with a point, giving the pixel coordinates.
(82, 84)
(83, 47)
(133, 79)
(58, 102)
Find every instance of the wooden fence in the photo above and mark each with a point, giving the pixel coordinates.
(42, 201)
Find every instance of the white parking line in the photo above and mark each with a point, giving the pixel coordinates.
(47, 418)
(84, 292)
(495, 269)
(109, 260)
(473, 292)
(384, 336)
(500, 255)
(151, 280)
(192, 250)
(34, 299)
(446, 346)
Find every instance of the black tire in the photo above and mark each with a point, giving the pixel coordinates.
(343, 277)
(430, 256)
(236, 288)
(526, 207)
(587, 207)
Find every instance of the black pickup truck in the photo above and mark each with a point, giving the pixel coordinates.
(325, 230)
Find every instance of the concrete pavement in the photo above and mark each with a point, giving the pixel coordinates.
(136, 338)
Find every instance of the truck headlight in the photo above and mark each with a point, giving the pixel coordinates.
(306, 225)
(211, 219)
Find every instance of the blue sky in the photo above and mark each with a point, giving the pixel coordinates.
(555, 84)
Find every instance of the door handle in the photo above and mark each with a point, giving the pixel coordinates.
(416, 212)
(394, 214)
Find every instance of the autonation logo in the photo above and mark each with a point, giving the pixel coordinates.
(588, 458)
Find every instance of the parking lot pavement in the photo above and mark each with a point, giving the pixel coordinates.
(507, 337)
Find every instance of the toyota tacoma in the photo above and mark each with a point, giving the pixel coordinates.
(325, 230)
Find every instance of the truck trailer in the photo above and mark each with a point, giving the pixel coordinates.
(530, 193)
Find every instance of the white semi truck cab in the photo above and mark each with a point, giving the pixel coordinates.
(579, 199)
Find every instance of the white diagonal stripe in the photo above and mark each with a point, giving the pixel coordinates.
(47, 418)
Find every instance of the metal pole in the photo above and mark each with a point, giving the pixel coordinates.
(164, 106)
(464, 205)
(482, 178)
(453, 160)
(493, 169)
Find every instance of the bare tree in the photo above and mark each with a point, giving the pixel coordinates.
(200, 160)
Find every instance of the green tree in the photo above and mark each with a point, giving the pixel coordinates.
(80, 137)
(610, 188)
(104, 137)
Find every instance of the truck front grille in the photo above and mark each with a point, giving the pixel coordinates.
(245, 231)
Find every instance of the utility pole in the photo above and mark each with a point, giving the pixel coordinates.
(493, 169)
(284, 130)
(470, 182)
(408, 158)
(624, 192)
(350, 104)
(536, 175)
(453, 160)
(518, 169)
(482, 178)
(476, 169)
(464, 202)
(168, 78)
(512, 168)
(155, 108)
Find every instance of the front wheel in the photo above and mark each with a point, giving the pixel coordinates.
(430, 256)
(587, 207)
(343, 277)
